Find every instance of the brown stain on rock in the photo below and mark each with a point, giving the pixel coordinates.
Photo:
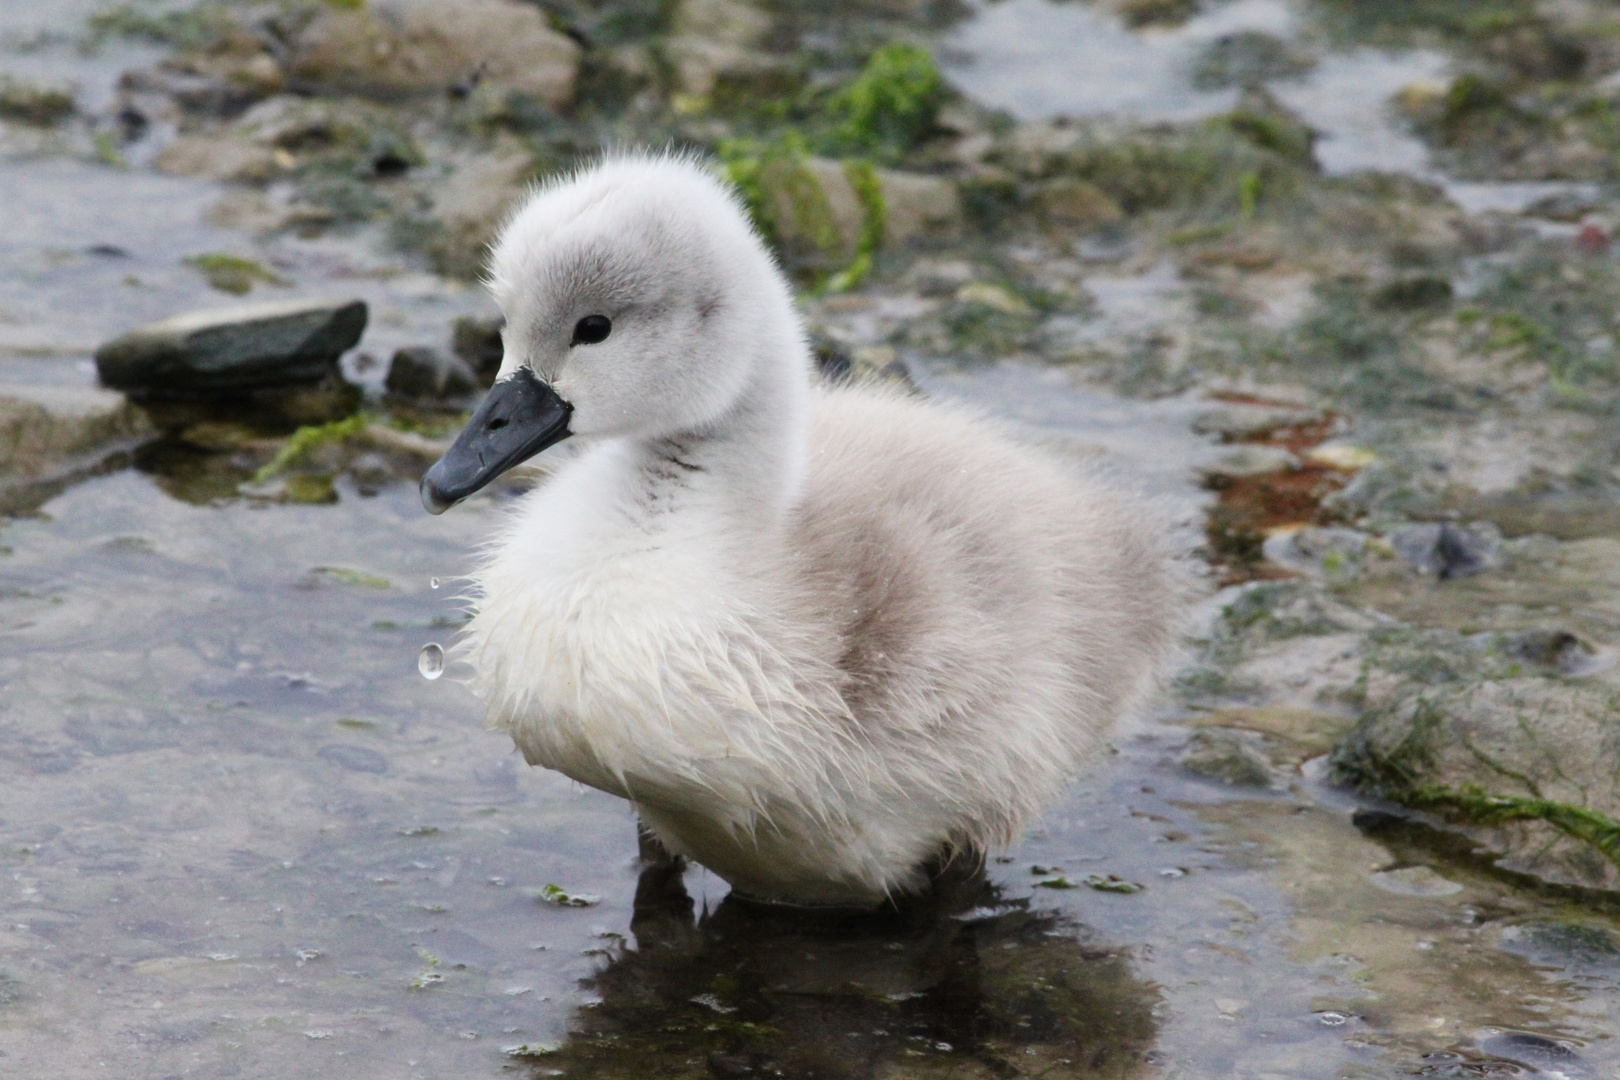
(1248, 508)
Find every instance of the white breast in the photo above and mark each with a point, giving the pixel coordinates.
(622, 647)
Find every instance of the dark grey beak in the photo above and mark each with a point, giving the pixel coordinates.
(520, 417)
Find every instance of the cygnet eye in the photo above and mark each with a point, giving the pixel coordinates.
(591, 329)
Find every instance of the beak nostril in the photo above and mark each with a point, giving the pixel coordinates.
(497, 423)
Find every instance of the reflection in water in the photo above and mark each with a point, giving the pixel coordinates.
(960, 983)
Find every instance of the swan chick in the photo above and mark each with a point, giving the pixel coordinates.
(818, 636)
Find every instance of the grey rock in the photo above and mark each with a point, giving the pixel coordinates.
(1317, 551)
(940, 277)
(396, 47)
(1556, 649)
(208, 93)
(1069, 203)
(1520, 760)
(1247, 58)
(880, 363)
(477, 340)
(217, 157)
(1448, 551)
(45, 430)
(1414, 881)
(1251, 459)
(713, 42)
(427, 372)
(917, 206)
(371, 471)
(273, 407)
(1240, 420)
(867, 363)
(1416, 544)
(1566, 206)
(224, 351)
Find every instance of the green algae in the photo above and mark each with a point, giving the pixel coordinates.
(887, 108)
(558, 896)
(429, 976)
(306, 440)
(791, 209)
(234, 274)
(1477, 806)
(357, 578)
(781, 195)
(863, 179)
(1261, 121)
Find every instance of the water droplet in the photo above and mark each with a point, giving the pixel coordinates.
(433, 583)
(430, 661)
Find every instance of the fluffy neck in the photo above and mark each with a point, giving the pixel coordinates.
(749, 464)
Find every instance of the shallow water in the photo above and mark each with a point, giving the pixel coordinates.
(1043, 58)
(89, 249)
(243, 836)
(246, 837)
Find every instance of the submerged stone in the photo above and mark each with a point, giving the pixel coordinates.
(1251, 459)
(1556, 649)
(1225, 757)
(1415, 881)
(1566, 945)
(1065, 202)
(1539, 1053)
(228, 350)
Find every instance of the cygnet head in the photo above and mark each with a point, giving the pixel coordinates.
(639, 302)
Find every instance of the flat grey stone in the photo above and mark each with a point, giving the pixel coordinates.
(46, 429)
(1317, 551)
(1251, 459)
(1236, 420)
(226, 350)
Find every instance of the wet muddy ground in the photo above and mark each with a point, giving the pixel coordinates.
(244, 837)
